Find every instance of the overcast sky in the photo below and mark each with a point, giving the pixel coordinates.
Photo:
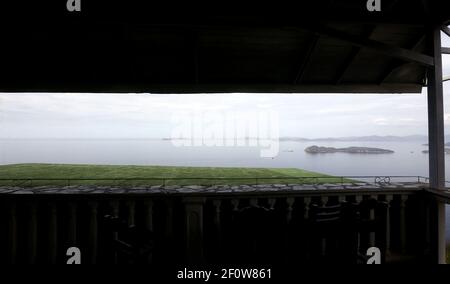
(151, 115)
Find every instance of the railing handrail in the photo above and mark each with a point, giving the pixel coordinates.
(342, 179)
(164, 181)
(220, 178)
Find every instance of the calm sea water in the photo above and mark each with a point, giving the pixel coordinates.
(408, 158)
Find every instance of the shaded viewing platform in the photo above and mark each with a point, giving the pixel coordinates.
(319, 47)
(298, 222)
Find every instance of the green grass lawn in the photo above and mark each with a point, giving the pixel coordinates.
(173, 175)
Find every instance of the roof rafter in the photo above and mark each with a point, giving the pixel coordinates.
(354, 53)
(375, 46)
(396, 64)
(446, 30)
(306, 59)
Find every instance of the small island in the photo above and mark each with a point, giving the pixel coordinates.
(352, 150)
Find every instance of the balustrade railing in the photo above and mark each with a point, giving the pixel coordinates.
(206, 227)
(210, 181)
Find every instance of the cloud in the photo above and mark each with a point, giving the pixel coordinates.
(137, 115)
(381, 121)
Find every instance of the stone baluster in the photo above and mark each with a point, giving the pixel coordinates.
(235, 204)
(271, 202)
(148, 222)
(307, 203)
(217, 203)
(358, 200)
(169, 219)
(115, 206)
(148, 219)
(234, 207)
(12, 229)
(53, 233)
(115, 213)
(372, 217)
(194, 228)
(324, 200)
(217, 222)
(93, 230)
(403, 199)
(323, 240)
(72, 224)
(131, 205)
(32, 233)
(290, 202)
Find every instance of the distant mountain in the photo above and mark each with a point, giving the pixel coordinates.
(372, 138)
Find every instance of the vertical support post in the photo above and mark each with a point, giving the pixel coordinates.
(194, 228)
(441, 232)
(436, 134)
(388, 224)
(93, 231)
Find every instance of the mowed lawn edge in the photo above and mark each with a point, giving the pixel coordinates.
(127, 175)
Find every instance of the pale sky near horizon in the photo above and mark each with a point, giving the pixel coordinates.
(150, 115)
